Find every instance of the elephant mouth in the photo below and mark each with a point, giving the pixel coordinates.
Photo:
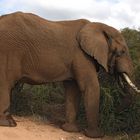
(125, 83)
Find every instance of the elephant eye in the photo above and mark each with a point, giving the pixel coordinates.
(120, 53)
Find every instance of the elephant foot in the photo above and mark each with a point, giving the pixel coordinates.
(7, 121)
(94, 133)
(70, 127)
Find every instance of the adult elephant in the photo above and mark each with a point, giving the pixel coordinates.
(36, 51)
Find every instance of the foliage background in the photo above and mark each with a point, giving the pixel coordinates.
(48, 100)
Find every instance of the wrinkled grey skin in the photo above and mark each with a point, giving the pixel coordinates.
(36, 51)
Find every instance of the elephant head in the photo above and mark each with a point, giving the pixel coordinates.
(108, 47)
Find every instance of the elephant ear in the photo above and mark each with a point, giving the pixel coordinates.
(94, 41)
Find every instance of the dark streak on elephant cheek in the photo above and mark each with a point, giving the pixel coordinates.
(111, 63)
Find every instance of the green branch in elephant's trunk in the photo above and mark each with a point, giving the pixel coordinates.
(125, 83)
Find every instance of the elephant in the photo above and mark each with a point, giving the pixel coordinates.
(34, 50)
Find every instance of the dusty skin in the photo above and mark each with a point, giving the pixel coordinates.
(34, 50)
(31, 129)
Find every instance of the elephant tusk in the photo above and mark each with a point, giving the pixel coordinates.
(130, 83)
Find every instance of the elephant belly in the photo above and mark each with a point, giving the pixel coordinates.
(55, 73)
(39, 79)
(49, 65)
(47, 72)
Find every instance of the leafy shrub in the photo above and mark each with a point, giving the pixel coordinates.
(32, 98)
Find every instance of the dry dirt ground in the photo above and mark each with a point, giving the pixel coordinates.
(31, 129)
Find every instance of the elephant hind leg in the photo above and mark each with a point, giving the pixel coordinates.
(5, 117)
(72, 105)
(7, 121)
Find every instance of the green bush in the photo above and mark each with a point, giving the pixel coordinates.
(32, 98)
(114, 120)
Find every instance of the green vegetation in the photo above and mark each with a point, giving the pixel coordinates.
(31, 99)
(133, 41)
(38, 99)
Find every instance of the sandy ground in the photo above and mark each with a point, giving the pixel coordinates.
(30, 129)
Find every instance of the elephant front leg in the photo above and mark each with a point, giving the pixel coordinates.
(91, 101)
(5, 117)
(89, 86)
(72, 105)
